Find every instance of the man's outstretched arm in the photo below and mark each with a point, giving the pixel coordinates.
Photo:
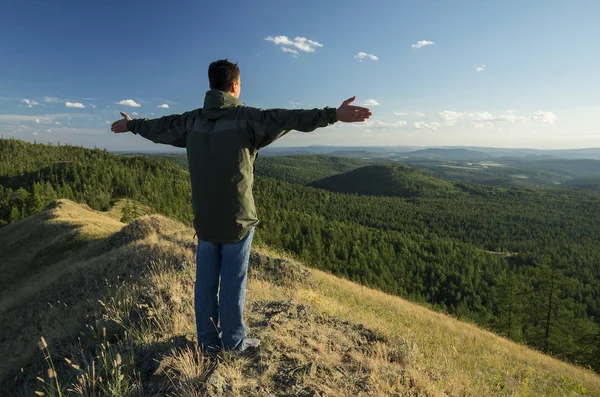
(171, 130)
(266, 126)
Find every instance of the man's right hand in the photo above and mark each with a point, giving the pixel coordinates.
(350, 113)
(120, 125)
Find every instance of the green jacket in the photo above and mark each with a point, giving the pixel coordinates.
(222, 141)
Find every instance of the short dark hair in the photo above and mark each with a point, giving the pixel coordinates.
(221, 74)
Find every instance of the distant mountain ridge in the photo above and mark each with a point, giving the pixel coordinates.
(366, 151)
(460, 153)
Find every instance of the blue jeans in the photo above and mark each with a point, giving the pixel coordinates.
(229, 263)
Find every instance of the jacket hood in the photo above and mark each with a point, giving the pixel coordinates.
(217, 103)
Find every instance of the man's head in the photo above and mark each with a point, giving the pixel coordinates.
(225, 76)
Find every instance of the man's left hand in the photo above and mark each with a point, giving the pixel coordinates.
(120, 125)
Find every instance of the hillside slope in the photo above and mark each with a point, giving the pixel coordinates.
(119, 299)
(388, 180)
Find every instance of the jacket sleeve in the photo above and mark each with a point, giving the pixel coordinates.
(266, 126)
(171, 130)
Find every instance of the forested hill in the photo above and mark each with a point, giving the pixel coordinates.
(388, 180)
(592, 183)
(32, 175)
(521, 262)
(305, 169)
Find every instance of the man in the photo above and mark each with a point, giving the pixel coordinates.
(222, 140)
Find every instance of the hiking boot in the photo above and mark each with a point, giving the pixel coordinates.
(250, 344)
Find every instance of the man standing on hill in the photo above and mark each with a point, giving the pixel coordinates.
(222, 140)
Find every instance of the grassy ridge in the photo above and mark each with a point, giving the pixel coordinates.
(321, 335)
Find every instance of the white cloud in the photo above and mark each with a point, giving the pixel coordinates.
(77, 105)
(476, 119)
(280, 40)
(480, 68)
(49, 130)
(384, 124)
(93, 106)
(511, 118)
(420, 114)
(129, 102)
(400, 113)
(371, 102)
(361, 56)
(107, 122)
(422, 43)
(30, 103)
(544, 117)
(37, 121)
(421, 125)
(290, 50)
(301, 43)
(135, 113)
(36, 134)
(163, 106)
(450, 117)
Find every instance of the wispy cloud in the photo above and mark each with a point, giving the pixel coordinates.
(361, 56)
(371, 102)
(451, 118)
(135, 113)
(421, 125)
(129, 102)
(39, 119)
(418, 114)
(476, 119)
(30, 103)
(290, 50)
(480, 68)
(422, 43)
(77, 105)
(544, 117)
(163, 106)
(52, 99)
(300, 43)
(384, 124)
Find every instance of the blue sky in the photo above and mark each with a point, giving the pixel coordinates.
(435, 73)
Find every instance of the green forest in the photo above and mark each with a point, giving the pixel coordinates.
(522, 262)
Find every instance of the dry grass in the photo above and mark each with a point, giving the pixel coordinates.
(321, 336)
